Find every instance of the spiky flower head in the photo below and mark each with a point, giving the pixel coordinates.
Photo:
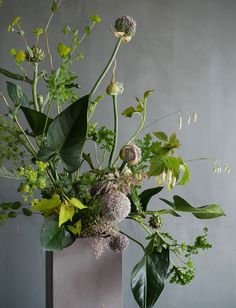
(115, 206)
(130, 154)
(127, 25)
(35, 55)
(155, 222)
(115, 88)
(119, 243)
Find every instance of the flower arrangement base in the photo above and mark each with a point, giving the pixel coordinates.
(82, 281)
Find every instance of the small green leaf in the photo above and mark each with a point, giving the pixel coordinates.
(15, 76)
(26, 211)
(147, 93)
(128, 112)
(15, 205)
(77, 203)
(161, 135)
(54, 6)
(12, 214)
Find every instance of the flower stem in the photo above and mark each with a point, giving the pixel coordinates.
(107, 67)
(34, 88)
(116, 120)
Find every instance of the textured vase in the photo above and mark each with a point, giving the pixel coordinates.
(81, 281)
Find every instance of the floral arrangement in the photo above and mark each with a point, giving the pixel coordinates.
(80, 196)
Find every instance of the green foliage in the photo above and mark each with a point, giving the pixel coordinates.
(208, 211)
(146, 196)
(147, 278)
(67, 134)
(16, 94)
(11, 75)
(37, 121)
(103, 136)
(182, 274)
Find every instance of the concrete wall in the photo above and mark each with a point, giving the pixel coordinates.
(185, 49)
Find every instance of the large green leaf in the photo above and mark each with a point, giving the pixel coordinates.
(66, 135)
(16, 94)
(147, 278)
(15, 76)
(147, 194)
(37, 120)
(203, 212)
(54, 237)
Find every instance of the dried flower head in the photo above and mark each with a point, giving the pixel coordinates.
(115, 206)
(130, 154)
(119, 243)
(35, 55)
(127, 25)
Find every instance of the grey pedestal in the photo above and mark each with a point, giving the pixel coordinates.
(81, 281)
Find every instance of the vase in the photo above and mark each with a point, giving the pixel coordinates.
(82, 281)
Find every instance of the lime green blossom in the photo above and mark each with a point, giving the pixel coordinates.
(41, 166)
(20, 57)
(63, 50)
(95, 18)
(38, 31)
(15, 21)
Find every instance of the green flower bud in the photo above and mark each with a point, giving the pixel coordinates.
(37, 55)
(155, 222)
(115, 88)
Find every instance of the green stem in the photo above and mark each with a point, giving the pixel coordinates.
(132, 239)
(34, 88)
(107, 67)
(116, 121)
(141, 124)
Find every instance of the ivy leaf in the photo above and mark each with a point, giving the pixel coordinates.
(66, 135)
(54, 237)
(147, 278)
(36, 120)
(48, 204)
(66, 213)
(147, 194)
(208, 211)
(161, 135)
(16, 94)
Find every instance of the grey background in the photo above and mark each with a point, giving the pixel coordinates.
(185, 49)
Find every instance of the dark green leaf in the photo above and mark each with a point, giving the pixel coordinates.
(54, 6)
(15, 76)
(36, 120)
(161, 135)
(12, 214)
(15, 205)
(147, 194)
(128, 112)
(26, 211)
(147, 278)
(66, 135)
(203, 212)
(52, 237)
(5, 206)
(16, 94)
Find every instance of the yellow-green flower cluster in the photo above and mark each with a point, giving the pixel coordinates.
(15, 21)
(19, 55)
(34, 179)
(38, 31)
(63, 50)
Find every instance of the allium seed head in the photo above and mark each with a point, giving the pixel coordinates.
(126, 24)
(119, 243)
(130, 154)
(115, 206)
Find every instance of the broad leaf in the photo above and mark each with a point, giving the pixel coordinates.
(128, 112)
(147, 278)
(203, 212)
(16, 94)
(147, 194)
(37, 120)
(54, 237)
(66, 135)
(77, 203)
